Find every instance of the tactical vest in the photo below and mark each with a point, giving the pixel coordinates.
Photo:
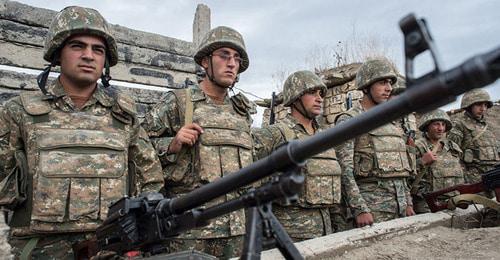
(446, 171)
(224, 147)
(78, 161)
(480, 145)
(322, 175)
(381, 152)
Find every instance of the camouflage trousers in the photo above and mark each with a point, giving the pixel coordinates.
(342, 218)
(222, 248)
(304, 223)
(385, 197)
(57, 246)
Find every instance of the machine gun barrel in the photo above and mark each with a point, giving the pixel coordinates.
(425, 95)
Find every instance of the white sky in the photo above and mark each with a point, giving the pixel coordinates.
(284, 36)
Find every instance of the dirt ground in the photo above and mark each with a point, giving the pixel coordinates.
(434, 243)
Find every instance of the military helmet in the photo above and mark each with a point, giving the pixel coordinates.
(220, 37)
(400, 86)
(78, 20)
(374, 70)
(299, 83)
(475, 96)
(434, 115)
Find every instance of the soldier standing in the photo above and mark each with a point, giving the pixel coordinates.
(202, 134)
(379, 158)
(438, 159)
(303, 92)
(475, 136)
(68, 149)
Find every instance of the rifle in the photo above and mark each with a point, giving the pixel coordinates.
(142, 223)
(490, 181)
(272, 116)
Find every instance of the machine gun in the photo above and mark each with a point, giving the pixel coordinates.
(490, 181)
(141, 223)
(272, 116)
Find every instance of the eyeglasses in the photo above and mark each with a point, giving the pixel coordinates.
(226, 57)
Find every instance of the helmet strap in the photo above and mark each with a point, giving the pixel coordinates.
(302, 110)
(42, 78)
(105, 77)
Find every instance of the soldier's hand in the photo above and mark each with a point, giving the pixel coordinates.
(187, 135)
(428, 158)
(409, 211)
(364, 219)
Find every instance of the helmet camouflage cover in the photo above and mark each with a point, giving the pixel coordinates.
(299, 83)
(374, 70)
(434, 115)
(78, 20)
(400, 86)
(475, 96)
(220, 37)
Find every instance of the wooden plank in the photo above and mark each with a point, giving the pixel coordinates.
(40, 17)
(31, 57)
(24, 34)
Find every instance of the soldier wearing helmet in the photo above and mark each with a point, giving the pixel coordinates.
(201, 134)
(68, 149)
(438, 159)
(379, 159)
(303, 92)
(475, 135)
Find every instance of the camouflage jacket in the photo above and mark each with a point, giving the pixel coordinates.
(81, 160)
(348, 152)
(477, 141)
(446, 171)
(224, 147)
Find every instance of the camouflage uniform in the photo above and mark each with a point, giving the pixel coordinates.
(224, 147)
(475, 137)
(324, 179)
(445, 172)
(379, 159)
(76, 160)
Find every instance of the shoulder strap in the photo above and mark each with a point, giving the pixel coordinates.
(189, 108)
(34, 104)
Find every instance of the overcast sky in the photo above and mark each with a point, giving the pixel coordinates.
(284, 36)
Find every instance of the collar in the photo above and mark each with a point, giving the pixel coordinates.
(101, 95)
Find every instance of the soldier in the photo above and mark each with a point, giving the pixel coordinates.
(379, 158)
(438, 159)
(475, 136)
(303, 92)
(76, 148)
(202, 134)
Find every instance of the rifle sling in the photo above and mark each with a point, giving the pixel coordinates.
(420, 175)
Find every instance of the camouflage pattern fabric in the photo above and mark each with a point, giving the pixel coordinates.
(74, 20)
(222, 248)
(78, 157)
(445, 172)
(380, 166)
(50, 247)
(298, 83)
(478, 143)
(374, 70)
(225, 146)
(219, 37)
(475, 96)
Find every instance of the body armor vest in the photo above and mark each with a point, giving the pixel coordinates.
(381, 152)
(78, 161)
(322, 173)
(446, 171)
(479, 143)
(224, 147)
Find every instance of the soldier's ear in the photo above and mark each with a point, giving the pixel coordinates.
(205, 62)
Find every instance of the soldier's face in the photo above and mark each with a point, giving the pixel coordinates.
(225, 65)
(82, 59)
(313, 102)
(478, 109)
(381, 90)
(436, 130)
